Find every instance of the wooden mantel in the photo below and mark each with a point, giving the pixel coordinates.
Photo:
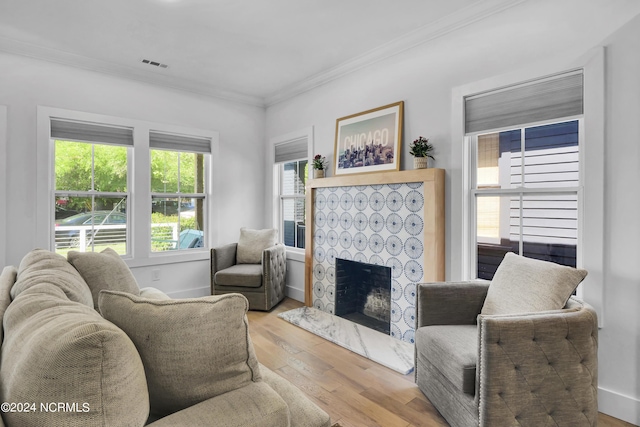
(434, 233)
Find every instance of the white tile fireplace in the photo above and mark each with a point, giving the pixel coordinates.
(389, 219)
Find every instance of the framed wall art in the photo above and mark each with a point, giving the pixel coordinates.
(369, 141)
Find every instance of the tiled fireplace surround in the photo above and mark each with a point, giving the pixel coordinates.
(395, 219)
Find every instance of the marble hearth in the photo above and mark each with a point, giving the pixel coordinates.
(374, 345)
(391, 219)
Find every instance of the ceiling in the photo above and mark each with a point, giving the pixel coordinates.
(254, 51)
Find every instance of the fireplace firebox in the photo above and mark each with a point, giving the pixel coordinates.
(363, 294)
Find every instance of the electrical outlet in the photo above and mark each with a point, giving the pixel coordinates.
(155, 275)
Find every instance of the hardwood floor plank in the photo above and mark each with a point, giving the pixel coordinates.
(353, 390)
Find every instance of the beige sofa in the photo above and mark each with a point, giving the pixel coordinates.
(136, 358)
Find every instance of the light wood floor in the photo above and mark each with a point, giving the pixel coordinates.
(353, 390)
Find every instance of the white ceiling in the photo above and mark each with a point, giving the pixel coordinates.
(248, 50)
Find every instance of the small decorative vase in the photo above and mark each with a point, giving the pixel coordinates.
(318, 173)
(420, 162)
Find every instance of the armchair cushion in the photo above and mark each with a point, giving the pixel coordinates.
(103, 270)
(241, 275)
(252, 243)
(192, 349)
(453, 349)
(525, 285)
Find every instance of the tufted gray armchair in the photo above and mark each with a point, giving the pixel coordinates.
(529, 370)
(262, 284)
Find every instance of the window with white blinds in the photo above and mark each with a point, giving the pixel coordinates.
(525, 171)
(291, 159)
(97, 203)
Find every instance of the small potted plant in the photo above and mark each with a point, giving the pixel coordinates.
(319, 166)
(421, 150)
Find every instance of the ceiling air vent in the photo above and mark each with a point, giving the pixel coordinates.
(154, 63)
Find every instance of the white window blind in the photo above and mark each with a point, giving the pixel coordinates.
(291, 150)
(540, 100)
(166, 141)
(71, 130)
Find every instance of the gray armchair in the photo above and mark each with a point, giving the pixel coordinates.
(532, 369)
(262, 284)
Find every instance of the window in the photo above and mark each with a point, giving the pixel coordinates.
(292, 202)
(91, 186)
(525, 179)
(178, 191)
(88, 198)
(291, 154)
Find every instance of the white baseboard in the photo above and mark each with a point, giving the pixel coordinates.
(295, 293)
(617, 405)
(191, 293)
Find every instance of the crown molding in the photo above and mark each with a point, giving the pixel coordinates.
(16, 47)
(465, 17)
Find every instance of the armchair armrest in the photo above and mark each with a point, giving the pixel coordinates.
(521, 355)
(449, 303)
(223, 257)
(274, 272)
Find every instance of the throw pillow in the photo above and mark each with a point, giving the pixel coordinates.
(252, 242)
(57, 350)
(104, 270)
(41, 266)
(523, 285)
(192, 349)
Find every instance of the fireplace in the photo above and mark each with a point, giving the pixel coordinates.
(363, 294)
(393, 220)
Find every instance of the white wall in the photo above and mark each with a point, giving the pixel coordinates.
(27, 83)
(425, 76)
(619, 367)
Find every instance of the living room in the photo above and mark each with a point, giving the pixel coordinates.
(431, 77)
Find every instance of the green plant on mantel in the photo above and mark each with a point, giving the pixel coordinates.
(421, 148)
(319, 162)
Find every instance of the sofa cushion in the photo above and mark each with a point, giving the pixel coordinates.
(104, 270)
(241, 275)
(57, 350)
(524, 285)
(255, 405)
(252, 242)
(42, 266)
(453, 350)
(192, 349)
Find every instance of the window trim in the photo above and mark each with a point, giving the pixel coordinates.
(297, 254)
(592, 205)
(139, 254)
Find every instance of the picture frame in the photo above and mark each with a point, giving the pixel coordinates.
(369, 141)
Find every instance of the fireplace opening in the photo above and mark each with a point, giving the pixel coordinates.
(363, 294)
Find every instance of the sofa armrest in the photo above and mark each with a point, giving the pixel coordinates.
(274, 272)
(521, 355)
(449, 303)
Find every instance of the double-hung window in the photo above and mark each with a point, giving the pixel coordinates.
(178, 193)
(292, 169)
(143, 189)
(524, 157)
(91, 193)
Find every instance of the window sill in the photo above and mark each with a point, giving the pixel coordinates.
(168, 258)
(295, 254)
